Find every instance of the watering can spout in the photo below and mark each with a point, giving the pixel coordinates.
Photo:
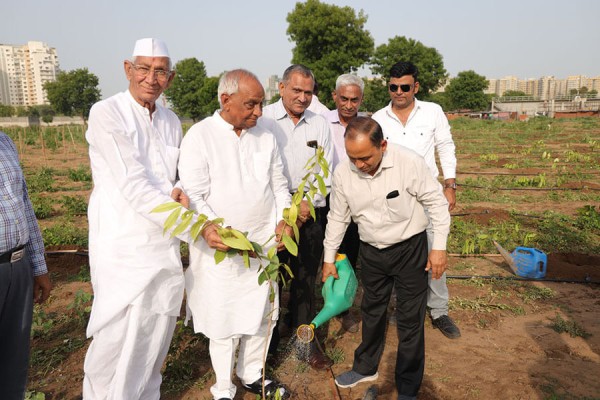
(338, 295)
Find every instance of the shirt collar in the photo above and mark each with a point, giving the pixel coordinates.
(140, 108)
(390, 112)
(281, 113)
(386, 162)
(332, 116)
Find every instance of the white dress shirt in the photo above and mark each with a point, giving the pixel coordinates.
(134, 164)
(240, 179)
(385, 218)
(426, 131)
(316, 106)
(337, 137)
(293, 143)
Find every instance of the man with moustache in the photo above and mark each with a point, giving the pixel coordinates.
(136, 270)
(348, 96)
(299, 132)
(230, 168)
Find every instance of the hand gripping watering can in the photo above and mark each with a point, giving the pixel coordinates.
(338, 295)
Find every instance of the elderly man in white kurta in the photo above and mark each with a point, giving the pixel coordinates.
(231, 169)
(136, 271)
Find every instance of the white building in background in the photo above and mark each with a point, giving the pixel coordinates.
(545, 88)
(272, 87)
(23, 72)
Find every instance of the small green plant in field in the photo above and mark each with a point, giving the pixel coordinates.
(534, 293)
(33, 395)
(65, 232)
(41, 323)
(482, 305)
(81, 305)
(511, 165)
(489, 157)
(572, 156)
(80, 174)
(82, 276)
(559, 233)
(588, 218)
(336, 354)
(74, 205)
(183, 364)
(561, 325)
(41, 181)
(42, 206)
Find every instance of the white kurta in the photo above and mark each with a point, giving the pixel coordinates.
(134, 164)
(241, 180)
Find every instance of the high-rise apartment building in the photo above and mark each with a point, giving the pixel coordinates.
(272, 87)
(544, 88)
(23, 72)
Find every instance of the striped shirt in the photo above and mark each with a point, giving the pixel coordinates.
(18, 225)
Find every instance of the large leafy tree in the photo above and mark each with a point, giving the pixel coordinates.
(185, 91)
(428, 60)
(466, 91)
(6, 110)
(73, 92)
(376, 95)
(330, 40)
(209, 101)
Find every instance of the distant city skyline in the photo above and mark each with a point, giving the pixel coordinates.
(526, 39)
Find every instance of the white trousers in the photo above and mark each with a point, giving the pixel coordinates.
(125, 357)
(251, 358)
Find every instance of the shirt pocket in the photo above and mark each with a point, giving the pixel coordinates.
(172, 158)
(398, 209)
(262, 165)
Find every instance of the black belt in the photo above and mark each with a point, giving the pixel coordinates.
(12, 256)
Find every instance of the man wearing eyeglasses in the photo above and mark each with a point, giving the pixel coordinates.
(423, 127)
(136, 271)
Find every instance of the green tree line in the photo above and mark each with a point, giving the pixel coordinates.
(329, 39)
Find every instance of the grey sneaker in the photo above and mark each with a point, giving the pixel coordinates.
(352, 378)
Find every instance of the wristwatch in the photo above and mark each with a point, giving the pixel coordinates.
(450, 185)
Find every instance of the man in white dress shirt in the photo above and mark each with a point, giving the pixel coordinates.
(230, 168)
(299, 132)
(348, 96)
(423, 127)
(136, 271)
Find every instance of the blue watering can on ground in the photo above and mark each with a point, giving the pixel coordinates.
(525, 261)
(338, 295)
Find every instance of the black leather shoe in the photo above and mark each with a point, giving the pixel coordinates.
(318, 360)
(271, 387)
(446, 326)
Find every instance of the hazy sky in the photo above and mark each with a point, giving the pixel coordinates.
(524, 38)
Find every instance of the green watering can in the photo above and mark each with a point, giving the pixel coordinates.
(338, 295)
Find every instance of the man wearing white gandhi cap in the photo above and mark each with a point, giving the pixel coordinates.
(136, 271)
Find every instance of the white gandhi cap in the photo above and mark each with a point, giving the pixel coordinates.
(150, 47)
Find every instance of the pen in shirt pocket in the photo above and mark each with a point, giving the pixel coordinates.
(392, 194)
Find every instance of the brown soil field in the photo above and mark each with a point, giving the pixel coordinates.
(508, 348)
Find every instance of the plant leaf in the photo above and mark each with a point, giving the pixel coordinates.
(311, 208)
(195, 230)
(290, 244)
(171, 219)
(219, 256)
(322, 186)
(165, 207)
(237, 243)
(185, 222)
(246, 259)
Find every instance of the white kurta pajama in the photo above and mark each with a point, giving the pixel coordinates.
(241, 180)
(134, 163)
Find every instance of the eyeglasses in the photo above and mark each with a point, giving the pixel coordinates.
(159, 74)
(405, 88)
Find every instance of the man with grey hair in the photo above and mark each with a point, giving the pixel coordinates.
(136, 271)
(348, 96)
(230, 167)
(299, 133)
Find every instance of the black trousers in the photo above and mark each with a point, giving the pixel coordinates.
(301, 304)
(16, 309)
(400, 267)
